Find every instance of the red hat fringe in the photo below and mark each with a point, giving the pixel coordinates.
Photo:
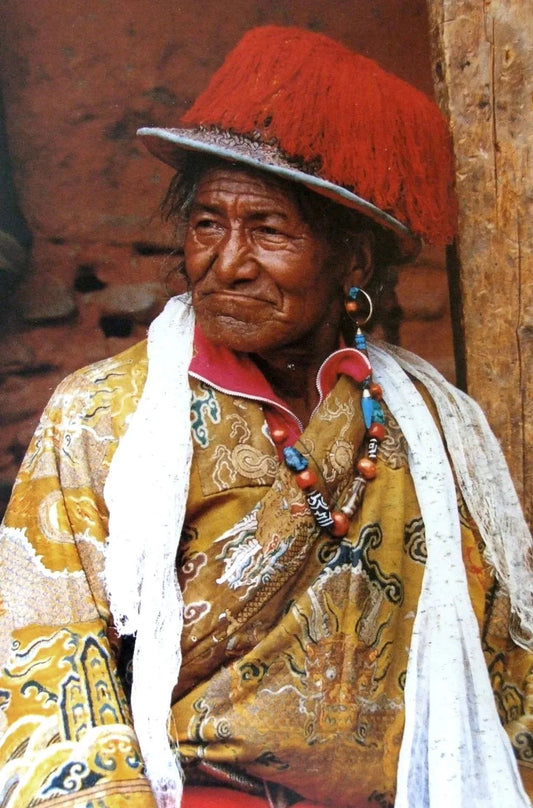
(364, 128)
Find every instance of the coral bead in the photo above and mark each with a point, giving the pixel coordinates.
(279, 435)
(306, 479)
(341, 524)
(351, 306)
(377, 431)
(366, 468)
(376, 391)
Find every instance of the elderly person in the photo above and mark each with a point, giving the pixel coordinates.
(309, 600)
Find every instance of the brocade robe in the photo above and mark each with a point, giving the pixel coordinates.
(295, 644)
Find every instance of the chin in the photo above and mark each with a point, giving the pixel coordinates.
(235, 335)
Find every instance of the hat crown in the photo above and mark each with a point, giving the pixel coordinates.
(340, 116)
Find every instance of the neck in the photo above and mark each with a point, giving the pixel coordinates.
(293, 369)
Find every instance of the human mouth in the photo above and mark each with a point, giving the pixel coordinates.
(235, 300)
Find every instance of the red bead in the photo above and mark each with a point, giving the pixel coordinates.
(341, 524)
(366, 468)
(279, 435)
(376, 390)
(306, 479)
(376, 431)
(351, 306)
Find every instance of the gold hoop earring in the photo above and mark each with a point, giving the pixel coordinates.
(358, 314)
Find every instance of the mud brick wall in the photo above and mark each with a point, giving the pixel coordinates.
(77, 80)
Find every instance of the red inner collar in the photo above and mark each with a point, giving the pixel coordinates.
(237, 374)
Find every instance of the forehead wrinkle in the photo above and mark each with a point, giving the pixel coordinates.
(255, 215)
(205, 207)
(239, 182)
(260, 215)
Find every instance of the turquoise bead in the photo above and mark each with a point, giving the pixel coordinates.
(294, 459)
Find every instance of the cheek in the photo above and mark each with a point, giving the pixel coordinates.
(298, 278)
(197, 258)
(314, 289)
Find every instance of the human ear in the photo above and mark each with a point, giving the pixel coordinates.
(360, 265)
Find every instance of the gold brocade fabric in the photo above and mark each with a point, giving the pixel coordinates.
(295, 645)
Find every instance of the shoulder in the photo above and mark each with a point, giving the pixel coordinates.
(439, 393)
(123, 369)
(105, 391)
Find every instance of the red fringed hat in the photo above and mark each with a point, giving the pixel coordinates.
(303, 107)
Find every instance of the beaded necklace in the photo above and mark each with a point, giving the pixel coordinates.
(337, 522)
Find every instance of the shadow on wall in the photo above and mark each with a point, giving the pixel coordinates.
(15, 241)
(15, 236)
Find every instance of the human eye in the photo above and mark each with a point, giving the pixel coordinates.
(205, 225)
(271, 234)
(266, 230)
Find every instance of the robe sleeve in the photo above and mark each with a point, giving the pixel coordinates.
(66, 731)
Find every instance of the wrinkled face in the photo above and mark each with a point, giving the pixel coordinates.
(255, 267)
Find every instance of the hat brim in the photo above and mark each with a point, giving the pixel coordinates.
(169, 145)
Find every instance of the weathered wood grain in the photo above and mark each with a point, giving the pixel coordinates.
(483, 68)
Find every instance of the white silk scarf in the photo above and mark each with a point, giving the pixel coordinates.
(454, 750)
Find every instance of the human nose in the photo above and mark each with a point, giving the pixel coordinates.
(234, 259)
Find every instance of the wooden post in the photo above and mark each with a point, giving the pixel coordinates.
(483, 68)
